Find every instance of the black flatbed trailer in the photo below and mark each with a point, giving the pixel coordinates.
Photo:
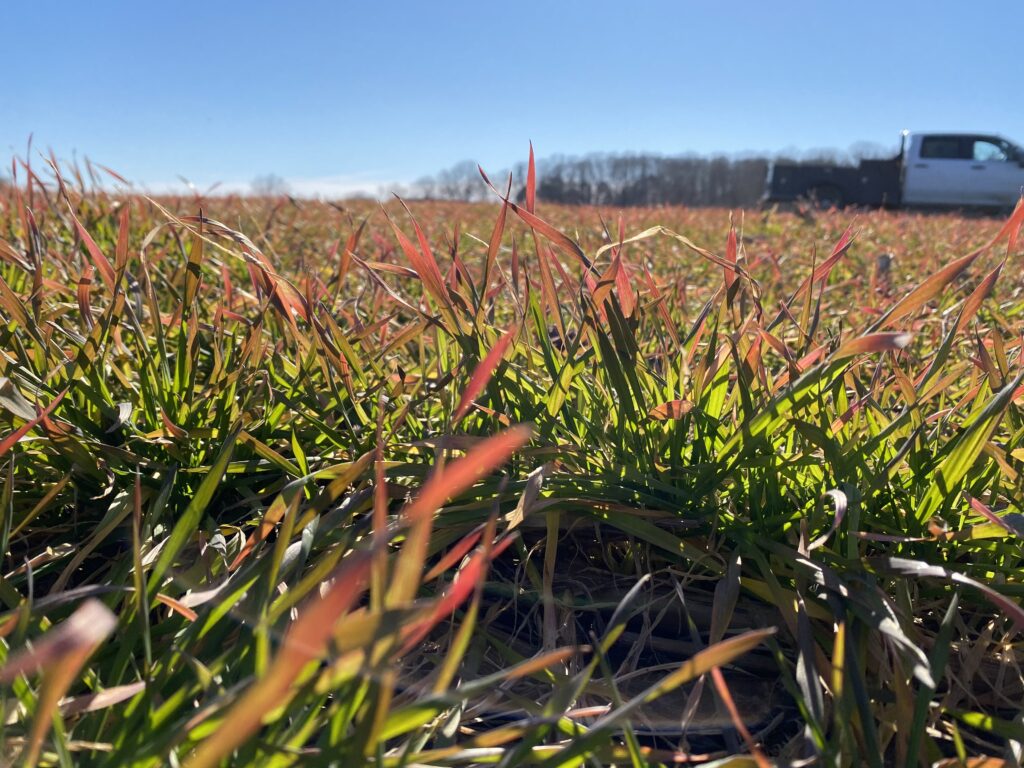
(871, 183)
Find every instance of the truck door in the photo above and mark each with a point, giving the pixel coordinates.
(937, 171)
(996, 172)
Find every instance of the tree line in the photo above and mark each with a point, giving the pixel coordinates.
(637, 179)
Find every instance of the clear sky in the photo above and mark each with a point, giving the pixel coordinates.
(336, 96)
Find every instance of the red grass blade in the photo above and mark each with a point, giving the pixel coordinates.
(973, 302)
(737, 720)
(547, 288)
(992, 517)
(113, 173)
(443, 485)
(515, 267)
(177, 606)
(305, 641)
(84, 291)
(601, 290)
(730, 256)
(466, 580)
(89, 624)
(495, 243)
(461, 474)
(94, 702)
(60, 654)
(873, 342)
(425, 266)
(172, 429)
(482, 374)
(428, 255)
(123, 231)
(929, 289)
(672, 410)
(345, 259)
(531, 183)
(825, 268)
(659, 303)
(627, 299)
(102, 264)
(563, 242)
(455, 554)
(1011, 229)
(8, 442)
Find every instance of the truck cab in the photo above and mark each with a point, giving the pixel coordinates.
(960, 169)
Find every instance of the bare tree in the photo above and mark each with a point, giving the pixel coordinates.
(269, 185)
(872, 150)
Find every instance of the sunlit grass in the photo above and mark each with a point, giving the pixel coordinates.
(496, 484)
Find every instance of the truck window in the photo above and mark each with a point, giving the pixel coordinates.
(941, 148)
(990, 151)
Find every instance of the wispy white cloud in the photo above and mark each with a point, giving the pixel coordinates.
(339, 186)
(353, 185)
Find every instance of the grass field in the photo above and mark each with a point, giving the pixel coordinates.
(290, 483)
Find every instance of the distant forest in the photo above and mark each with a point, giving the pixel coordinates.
(637, 179)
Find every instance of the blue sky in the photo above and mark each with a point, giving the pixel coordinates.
(339, 96)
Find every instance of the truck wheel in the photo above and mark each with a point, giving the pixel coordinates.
(825, 196)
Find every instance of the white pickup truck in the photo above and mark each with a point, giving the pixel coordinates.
(932, 170)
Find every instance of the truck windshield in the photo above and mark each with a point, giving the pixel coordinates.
(994, 149)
